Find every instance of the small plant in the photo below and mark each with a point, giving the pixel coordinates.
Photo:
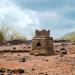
(1, 36)
(4, 30)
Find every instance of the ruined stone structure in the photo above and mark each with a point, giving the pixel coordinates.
(42, 43)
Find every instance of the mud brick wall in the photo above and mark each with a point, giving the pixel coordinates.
(42, 44)
(42, 33)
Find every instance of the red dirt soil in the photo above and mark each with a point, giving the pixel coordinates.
(40, 65)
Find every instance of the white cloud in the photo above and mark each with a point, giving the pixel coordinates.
(48, 13)
(16, 18)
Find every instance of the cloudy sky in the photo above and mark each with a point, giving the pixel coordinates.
(27, 15)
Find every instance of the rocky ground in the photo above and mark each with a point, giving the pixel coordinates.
(25, 64)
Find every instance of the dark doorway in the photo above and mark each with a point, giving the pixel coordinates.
(38, 44)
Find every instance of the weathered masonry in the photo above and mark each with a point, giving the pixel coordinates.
(42, 43)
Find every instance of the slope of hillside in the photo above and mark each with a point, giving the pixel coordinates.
(69, 36)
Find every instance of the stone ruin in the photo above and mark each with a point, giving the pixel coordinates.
(42, 43)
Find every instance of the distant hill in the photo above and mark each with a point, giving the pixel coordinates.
(69, 36)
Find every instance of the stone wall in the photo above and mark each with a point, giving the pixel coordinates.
(42, 33)
(42, 44)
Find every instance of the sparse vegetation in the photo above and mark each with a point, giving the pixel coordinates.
(17, 36)
(1, 36)
(7, 34)
(4, 32)
(69, 36)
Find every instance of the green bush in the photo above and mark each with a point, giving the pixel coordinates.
(1, 36)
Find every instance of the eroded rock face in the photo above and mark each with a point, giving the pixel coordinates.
(42, 43)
